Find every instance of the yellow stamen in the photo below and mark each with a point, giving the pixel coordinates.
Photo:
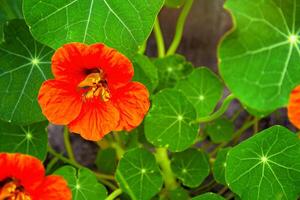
(96, 86)
(13, 191)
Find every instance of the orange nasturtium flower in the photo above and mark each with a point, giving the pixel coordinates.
(294, 107)
(92, 91)
(22, 177)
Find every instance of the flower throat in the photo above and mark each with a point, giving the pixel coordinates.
(95, 85)
(10, 189)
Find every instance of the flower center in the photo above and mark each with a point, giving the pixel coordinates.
(95, 85)
(10, 189)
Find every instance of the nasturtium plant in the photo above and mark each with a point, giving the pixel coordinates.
(83, 183)
(119, 24)
(249, 56)
(168, 123)
(194, 117)
(25, 64)
(266, 162)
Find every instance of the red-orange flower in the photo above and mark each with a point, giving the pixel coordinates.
(92, 91)
(22, 177)
(294, 107)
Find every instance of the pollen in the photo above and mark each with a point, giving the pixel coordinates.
(95, 85)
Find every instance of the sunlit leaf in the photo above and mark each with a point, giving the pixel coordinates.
(220, 130)
(138, 174)
(24, 65)
(191, 167)
(30, 139)
(168, 123)
(179, 193)
(106, 160)
(220, 165)
(124, 25)
(260, 59)
(83, 183)
(266, 166)
(208, 196)
(203, 88)
(174, 3)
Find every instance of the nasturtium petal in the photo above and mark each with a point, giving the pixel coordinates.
(27, 139)
(203, 88)
(191, 167)
(266, 166)
(24, 65)
(208, 196)
(220, 165)
(171, 69)
(138, 174)
(168, 124)
(145, 71)
(83, 183)
(260, 58)
(220, 130)
(124, 25)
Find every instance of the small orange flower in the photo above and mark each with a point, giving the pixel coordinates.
(22, 177)
(92, 91)
(294, 107)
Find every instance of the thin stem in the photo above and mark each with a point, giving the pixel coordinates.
(159, 39)
(114, 194)
(143, 48)
(256, 125)
(218, 113)
(180, 26)
(51, 164)
(165, 164)
(117, 145)
(68, 145)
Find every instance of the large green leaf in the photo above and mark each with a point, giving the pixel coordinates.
(168, 123)
(266, 166)
(9, 9)
(124, 25)
(31, 139)
(145, 71)
(208, 196)
(203, 88)
(171, 69)
(191, 167)
(220, 130)
(138, 174)
(106, 160)
(260, 59)
(220, 165)
(24, 65)
(83, 183)
(174, 3)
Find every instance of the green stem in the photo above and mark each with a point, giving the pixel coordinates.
(256, 125)
(117, 145)
(114, 194)
(51, 164)
(159, 39)
(165, 164)
(68, 145)
(180, 26)
(143, 48)
(218, 113)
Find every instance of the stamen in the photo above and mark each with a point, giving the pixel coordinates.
(12, 190)
(95, 85)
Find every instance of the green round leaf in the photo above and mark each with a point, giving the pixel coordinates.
(179, 194)
(259, 60)
(145, 72)
(106, 160)
(168, 122)
(220, 130)
(83, 183)
(138, 174)
(31, 139)
(204, 90)
(208, 196)
(266, 166)
(174, 3)
(191, 167)
(171, 69)
(24, 65)
(124, 25)
(220, 165)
